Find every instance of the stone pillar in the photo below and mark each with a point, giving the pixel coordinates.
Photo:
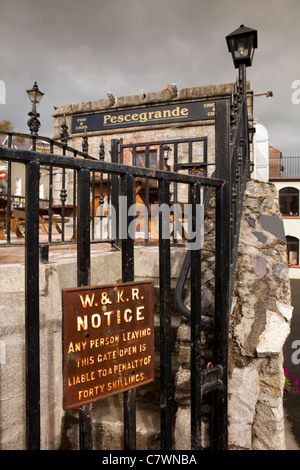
(259, 325)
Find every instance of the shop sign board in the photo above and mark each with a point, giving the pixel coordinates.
(108, 340)
(144, 116)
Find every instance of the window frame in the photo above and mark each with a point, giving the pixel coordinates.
(286, 196)
(290, 242)
(140, 158)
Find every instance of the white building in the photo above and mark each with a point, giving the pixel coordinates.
(284, 172)
(261, 153)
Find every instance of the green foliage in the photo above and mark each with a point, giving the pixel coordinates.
(6, 125)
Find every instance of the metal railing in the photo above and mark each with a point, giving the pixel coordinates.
(284, 167)
(89, 178)
(202, 381)
(57, 209)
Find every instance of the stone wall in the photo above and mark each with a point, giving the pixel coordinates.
(259, 325)
(53, 278)
(59, 274)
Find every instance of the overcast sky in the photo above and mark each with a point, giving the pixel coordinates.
(78, 50)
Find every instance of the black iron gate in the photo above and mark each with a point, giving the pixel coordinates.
(232, 168)
(176, 155)
(127, 175)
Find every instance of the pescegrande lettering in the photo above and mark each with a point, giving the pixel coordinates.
(149, 116)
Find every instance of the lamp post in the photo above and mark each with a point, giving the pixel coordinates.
(35, 96)
(166, 156)
(241, 44)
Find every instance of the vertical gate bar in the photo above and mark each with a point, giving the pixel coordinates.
(128, 190)
(121, 156)
(190, 152)
(8, 209)
(244, 127)
(222, 306)
(177, 225)
(50, 195)
(83, 228)
(63, 197)
(83, 279)
(110, 233)
(133, 155)
(205, 155)
(115, 190)
(74, 203)
(222, 273)
(175, 162)
(33, 143)
(32, 340)
(177, 228)
(161, 156)
(147, 193)
(165, 320)
(195, 327)
(93, 206)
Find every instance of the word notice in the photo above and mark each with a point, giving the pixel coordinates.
(108, 340)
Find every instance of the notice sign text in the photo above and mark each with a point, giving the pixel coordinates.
(108, 340)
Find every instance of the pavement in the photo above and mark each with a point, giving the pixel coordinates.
(16, 254)
(291, 442)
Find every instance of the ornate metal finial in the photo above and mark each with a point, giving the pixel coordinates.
(63, 195)
(34, 123)
(64, 131)
(101, 151)
(85, 144)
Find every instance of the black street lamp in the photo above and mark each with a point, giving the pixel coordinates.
(35, 96)
(241, 43)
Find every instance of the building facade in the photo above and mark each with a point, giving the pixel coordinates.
(162, 116)
(163, 130)
(285, 174)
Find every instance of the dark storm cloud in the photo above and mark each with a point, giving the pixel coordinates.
(77, 51)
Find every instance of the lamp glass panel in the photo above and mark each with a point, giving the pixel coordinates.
(242, 47)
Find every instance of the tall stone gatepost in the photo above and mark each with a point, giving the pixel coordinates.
(259, 325)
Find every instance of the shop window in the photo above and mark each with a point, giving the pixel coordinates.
(141, 159)
(292, 250)
(289, 201)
